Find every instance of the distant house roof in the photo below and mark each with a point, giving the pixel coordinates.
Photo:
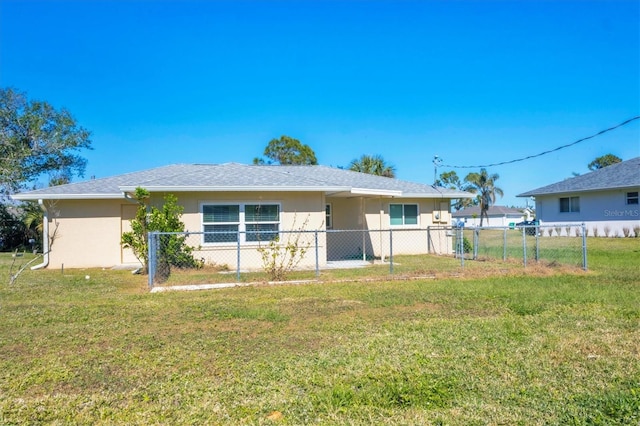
(625, 174)
(230, 177)
(493, 211)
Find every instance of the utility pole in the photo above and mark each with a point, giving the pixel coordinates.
(436, 162)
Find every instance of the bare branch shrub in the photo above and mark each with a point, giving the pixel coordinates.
(280, 258)
(558, 230)
(595, 231)
(568, 229)
(52, 238)
(626, 231)
(607, 231)
(636, 231)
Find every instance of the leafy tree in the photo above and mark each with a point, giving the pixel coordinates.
(35, 139)
(449, 180)
(484, 185)
(452, 181)
(13, 232)
(373, 165)
(287, 150)
(59, 178)
(604, 161)
(20, 223)
(173, 250)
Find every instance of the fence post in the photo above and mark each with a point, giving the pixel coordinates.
(476, 238)
(238, 257)
(461, 246)
(317, 258)
(536, 229)
(524, 245)
(390, 251)
(151, 261)
(504, 245)
(429, 239)
(454, 239)
(584, 246)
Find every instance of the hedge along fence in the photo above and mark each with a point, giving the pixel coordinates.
(275, 256)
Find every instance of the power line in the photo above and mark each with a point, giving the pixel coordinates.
(546, 152)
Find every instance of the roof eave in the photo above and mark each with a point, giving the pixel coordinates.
(565, 192)
(379, 192)
(458, 195)
(35, 197)
(253, 188)
(444, 195)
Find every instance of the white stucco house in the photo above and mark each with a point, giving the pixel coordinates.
(496, 216)
(235, 200)
(606, 200)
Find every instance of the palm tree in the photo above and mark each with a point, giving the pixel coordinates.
(452, 181)
(373, 165)
(33, 217)
(484, 185)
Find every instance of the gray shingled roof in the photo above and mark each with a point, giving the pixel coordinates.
(493, 211)
(241, 177)
(625, 174)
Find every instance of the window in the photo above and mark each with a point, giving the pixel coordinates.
(632, 197)
(328, 219)
(403, 214)
(222, 221)
(569, 205)
(225, 223)
(261, 222)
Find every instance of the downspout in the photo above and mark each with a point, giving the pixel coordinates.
(45, 238)
(364, 227)
(380, 213)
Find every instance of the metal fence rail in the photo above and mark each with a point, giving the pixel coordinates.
(204, 257)
(565, 244)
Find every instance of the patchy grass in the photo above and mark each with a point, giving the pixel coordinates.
(404, 267)
(483, 348)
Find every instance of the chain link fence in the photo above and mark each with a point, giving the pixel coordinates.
(562, 245)
(228, 257)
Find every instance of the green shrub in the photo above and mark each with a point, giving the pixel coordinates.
(173, 250)
(466, 245)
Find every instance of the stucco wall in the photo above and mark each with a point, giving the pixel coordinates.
(411, 239)
(298, 210)
(597, 210)
(87, 233)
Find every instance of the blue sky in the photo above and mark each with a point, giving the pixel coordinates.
(474, 82)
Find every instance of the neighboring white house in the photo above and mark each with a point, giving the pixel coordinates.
(606, 200)
(496, 216)
(241, 202)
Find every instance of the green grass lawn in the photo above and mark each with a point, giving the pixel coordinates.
(490, 346)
